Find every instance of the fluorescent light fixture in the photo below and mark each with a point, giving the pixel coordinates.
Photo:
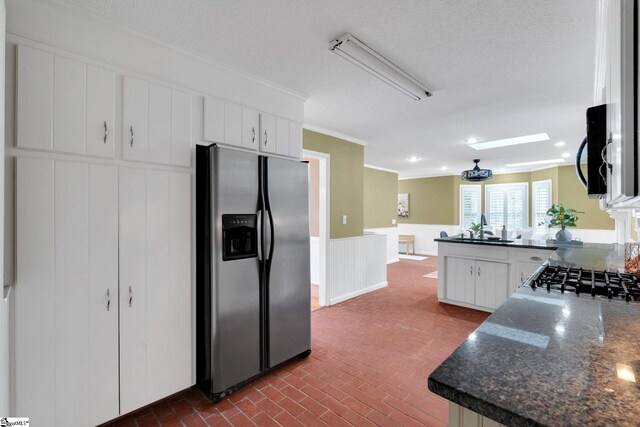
(358, 53)
(565, 155)
(560, 144)
(510, 141)
(535, 162)
(413, 159)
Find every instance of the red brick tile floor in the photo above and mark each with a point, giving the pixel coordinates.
(315, 293)
(369, 366)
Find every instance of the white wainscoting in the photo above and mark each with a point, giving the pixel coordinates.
(357, 265)
(392, 241)
(425, 233)
(314, 259)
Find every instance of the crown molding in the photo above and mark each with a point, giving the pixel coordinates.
(380, 168)
(333, 133)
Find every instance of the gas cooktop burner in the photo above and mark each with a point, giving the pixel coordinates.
(620, 286)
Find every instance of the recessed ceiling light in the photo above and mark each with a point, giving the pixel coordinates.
(536, 162)
(560, 144)
(471, 140)
(565, 155)
(444, 168)
(510, 141)
(413, 159)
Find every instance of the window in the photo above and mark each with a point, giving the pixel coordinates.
(469, 205)
(541, 197)
(507, 204)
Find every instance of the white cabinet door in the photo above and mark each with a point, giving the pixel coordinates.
(159, 124)
(133, 283)
(524, 270)
(282, 136)
(103, 297)
(491, 283)
(295, 140)
(268, 139)
(135, 119)
(180, 242)
(69, 110)
(101, 104)
(250, 128)
(33, 385)
(180, 128)
(460, 285)
(71, 293)
(213, 119)
(232, 124)
(34, 99)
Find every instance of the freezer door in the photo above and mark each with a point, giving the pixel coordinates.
(288, 284)
(235, 297)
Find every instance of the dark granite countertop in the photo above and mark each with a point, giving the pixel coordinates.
(544, 358)
(517, 243)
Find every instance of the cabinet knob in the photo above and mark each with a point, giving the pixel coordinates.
(521, 277)
(266, 137)
(471, 271)
(106, 132)
(108, 300)
(133, 136)
(478, 271)
(130, 296)
(536, 258)
(253, 135)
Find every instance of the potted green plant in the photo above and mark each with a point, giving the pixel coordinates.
(474, 229)
(562, 217)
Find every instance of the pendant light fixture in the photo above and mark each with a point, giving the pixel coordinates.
(476, 174)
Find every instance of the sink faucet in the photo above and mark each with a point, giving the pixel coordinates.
(483, 222)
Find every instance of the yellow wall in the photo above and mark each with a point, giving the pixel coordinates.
(430, 204)
(431, 200)
(380, 198)
(346, 181)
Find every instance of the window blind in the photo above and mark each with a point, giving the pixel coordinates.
(469, 205)
(541, 199)
(507, 204)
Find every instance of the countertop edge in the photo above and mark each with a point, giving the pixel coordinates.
(497, 243)
(486, 409)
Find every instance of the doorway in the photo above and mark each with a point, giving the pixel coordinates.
(318, 225)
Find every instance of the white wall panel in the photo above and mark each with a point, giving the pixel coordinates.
(314, 259)
(392, 241)
(357, 265)
(425, 233)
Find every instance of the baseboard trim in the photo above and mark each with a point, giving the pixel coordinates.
(358, 293)
(391, 261)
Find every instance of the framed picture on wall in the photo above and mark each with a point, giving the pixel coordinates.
(403, 205)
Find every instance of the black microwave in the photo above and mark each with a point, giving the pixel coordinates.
(596, 143)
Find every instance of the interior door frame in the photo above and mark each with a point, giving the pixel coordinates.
(323, 219)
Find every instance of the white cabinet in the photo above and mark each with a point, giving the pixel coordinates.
(64, 105)
(268, 140)
(461, 280)
(213, 119)
(156, 123)
(250, 128)
(492, 281)
(155, 286)
(102, 304)
(232, 124)
(34, 99)
(524, 270)
(478, 283)
(101, 107)
(282, 136)
(295, 140)
(65, 304)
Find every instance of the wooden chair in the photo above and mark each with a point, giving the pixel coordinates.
(408, 239)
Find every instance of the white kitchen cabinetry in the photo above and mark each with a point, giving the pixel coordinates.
(232, 124)
(282, 136)
(65, 306)
(213, 120)
(156, 124)
(268, 139)
(295, 140)
(482, 276)
(155, 277)
(64, 105)
(250, 128)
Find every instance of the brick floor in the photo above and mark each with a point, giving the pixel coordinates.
(370, 362)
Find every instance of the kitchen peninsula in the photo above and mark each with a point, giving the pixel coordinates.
(552, 358)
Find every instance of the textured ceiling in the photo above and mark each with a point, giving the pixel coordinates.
(498, 69)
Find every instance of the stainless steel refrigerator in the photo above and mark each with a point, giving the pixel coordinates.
(253, 282)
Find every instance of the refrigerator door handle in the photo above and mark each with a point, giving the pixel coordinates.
(259, 233)
(271, 235)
